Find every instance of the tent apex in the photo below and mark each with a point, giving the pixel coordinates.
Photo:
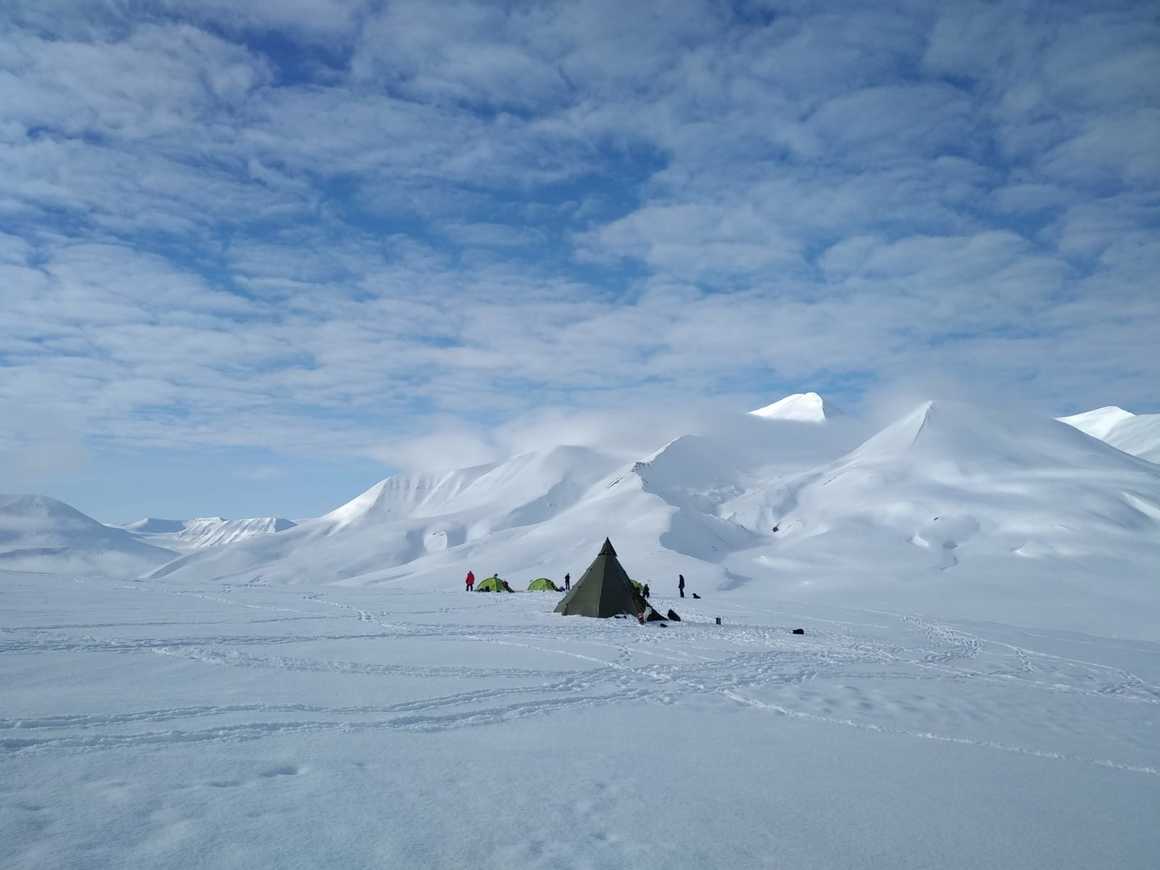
(607, 549)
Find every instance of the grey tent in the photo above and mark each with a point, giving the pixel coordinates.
(604, 590)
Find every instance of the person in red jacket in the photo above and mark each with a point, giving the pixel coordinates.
(470, 581)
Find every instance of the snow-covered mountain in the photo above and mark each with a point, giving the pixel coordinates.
(952, 505)
(1138, 434)
(948, 472)
(201, 532)
(409, 518)
(38, 533)
(956, 509)
(799, 407)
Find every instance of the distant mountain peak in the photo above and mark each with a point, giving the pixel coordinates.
(1137, 434)
(41, 533)
(1098, 422)
(199, 532)
(798, 408)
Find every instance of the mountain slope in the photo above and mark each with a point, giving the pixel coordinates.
(1031, 482)
(405, 518)
(38, 533)
(1137, 434)
(201, 532)
(1099, 421)
(956, 507)
(798, 407)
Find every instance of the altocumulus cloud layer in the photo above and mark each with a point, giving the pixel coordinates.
(419, 231)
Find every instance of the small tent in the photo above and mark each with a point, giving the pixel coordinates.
(604, 590)
(543, 584)
(493, 584)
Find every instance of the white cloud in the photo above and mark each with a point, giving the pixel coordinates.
(427, 232)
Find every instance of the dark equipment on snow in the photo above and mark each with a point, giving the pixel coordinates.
(695, 595)
(718, 620)
(799, 631)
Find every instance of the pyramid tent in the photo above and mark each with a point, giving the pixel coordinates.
(543, 584)
(493, 584)
(604, 590)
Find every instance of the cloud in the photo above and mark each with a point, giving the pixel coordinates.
(430, 234)
(37, 446)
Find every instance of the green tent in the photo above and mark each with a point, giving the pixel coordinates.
(543, 584)
(604, 590)
(493, 584)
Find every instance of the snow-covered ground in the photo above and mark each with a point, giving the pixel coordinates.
(163, 725)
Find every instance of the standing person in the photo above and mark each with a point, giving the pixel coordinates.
(470, 581)
(681, 584)
(567, 582)
(645, 590)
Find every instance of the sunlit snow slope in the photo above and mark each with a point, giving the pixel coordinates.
(403, 519)
(201, 532)
(1138, 434)
(955, 508)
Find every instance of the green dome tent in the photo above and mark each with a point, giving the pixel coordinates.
(493, 584)
(543, 584)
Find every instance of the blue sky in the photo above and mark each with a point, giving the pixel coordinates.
(254, 256)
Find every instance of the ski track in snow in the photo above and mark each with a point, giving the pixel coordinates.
(859, 675)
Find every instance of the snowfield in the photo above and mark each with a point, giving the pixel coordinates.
(148, 725)
(978, 684)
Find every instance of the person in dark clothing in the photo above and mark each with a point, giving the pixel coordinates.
(681, 584)
(645, 590)
(567, 582)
